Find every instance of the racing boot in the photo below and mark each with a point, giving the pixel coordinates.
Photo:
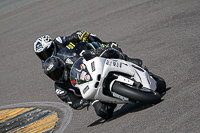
(103, 110)
(110, 108)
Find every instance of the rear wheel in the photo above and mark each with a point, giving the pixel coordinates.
(136, 94)
(161, 85)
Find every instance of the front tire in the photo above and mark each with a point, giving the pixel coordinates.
(136, 94)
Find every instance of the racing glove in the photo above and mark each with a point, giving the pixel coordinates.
(83, 36)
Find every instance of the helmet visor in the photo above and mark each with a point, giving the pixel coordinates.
(46, 53)
(54, 68)
(56, 75)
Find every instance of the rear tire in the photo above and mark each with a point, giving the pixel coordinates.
(135, 94)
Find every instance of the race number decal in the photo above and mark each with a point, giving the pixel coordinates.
(113, 63)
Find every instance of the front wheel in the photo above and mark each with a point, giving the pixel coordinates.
(161, 85)
(136, 94)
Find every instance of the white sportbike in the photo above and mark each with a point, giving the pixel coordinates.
(116, 81)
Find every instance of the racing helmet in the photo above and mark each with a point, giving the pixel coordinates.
(55, 69)
(44, 47)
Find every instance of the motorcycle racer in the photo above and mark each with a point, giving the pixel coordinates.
(56, 69)
(45, 47)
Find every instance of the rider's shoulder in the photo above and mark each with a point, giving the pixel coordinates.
(60, 39)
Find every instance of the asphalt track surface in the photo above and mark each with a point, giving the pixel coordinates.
(165, 34)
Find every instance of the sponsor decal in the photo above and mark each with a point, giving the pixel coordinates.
(93, 66)
(121, 97)
(59, 92)
(83, 66)
(50, 67)
(69, 61)
(87, 77)
(85, 89)
(59, 39)
(38, 47)
(71, 45)
(83, 73)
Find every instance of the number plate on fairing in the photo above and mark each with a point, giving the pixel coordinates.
(113, 63)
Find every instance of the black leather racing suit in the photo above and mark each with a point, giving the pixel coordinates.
(71, 95)
(77, 37)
